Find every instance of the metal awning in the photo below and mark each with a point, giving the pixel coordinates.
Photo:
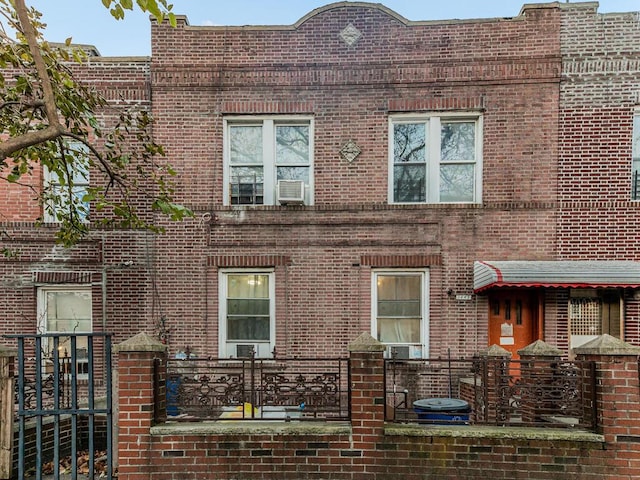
(561, 273)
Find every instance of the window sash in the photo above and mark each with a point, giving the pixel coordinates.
(247, 309)
(282, 149)
(435, 159)
(399, 307)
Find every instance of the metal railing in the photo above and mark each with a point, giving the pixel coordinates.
(258, 389)
(635, 185)
(492, 391)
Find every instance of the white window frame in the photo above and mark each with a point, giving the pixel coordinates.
(269, 124)
(262, 349)
(80, 184)
(42, 315)
(433, 122)
(423, 273)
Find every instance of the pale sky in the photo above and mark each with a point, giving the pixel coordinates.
(88, 22)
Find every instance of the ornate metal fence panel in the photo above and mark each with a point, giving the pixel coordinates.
(63, 394)
(261, 389)
(498, 391)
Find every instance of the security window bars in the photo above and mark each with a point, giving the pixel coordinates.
(435, 159)
(262, 151)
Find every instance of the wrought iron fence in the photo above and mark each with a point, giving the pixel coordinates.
(494, 391)
(258, 389)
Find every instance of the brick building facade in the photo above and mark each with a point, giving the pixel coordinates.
(444, 185)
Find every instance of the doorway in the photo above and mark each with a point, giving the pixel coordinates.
(514, 317)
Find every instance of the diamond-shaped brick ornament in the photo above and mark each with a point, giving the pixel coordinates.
(350, 151)
(350, 34)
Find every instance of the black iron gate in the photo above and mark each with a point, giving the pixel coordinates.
(64, 411)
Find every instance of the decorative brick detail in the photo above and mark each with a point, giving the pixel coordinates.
(62, 277)
(401, 261)
(227, 261)
(266, 107)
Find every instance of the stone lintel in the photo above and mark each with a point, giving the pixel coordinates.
(607, 345)
(141, 342)
(366, 343)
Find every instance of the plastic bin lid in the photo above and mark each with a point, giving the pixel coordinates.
(441, 404)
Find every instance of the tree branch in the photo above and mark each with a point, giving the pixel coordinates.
(55, 128)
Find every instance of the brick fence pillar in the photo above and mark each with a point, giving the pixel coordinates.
(138, 361)
(367, 392)
(494, 378)
(617, 386)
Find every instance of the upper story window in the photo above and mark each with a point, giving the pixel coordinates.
(635, 163)
(435, 159)
(62, 198)
(260, 152)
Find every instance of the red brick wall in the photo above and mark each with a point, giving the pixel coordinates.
(507, 69)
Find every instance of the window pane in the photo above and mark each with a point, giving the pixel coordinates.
(245, 144)
(456, 183)
(399, 287)
(294, 173)
(248, 286)
(406, 330)
(292, 144)
(398, 308)
(247, 328)
(68, 311)
(457, 141)
(409, 183)
(409, 143)
(248, 307)
(247, 186)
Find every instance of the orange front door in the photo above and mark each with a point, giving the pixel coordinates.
(513, 316)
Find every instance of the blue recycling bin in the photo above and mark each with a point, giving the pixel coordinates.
(173, 386)
(442, 411)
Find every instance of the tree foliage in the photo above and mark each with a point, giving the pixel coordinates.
(49, 118)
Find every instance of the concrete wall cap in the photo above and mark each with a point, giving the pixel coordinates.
(141, 342)
(8, 351)
(607, 345)
(540, 348)
(495, 351)
(366, 343)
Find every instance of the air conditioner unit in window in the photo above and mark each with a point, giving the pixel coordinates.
(290, 192)
(403, 352)
(245, 351)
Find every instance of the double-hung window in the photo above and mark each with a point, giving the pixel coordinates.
(399, 311)
(247, 313)
(65, 195)
(260, 152)
(435, 159)
(61, 310)
(635, 165)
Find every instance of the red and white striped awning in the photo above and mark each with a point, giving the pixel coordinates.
(562, 273)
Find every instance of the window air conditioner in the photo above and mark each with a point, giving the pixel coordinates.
(290, 192)
(245, 351)
(403, 352)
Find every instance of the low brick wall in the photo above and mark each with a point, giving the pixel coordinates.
(367, 448)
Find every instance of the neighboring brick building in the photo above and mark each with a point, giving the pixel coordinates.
(430, 154)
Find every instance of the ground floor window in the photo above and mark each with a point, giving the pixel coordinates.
(594, 312)
(247, 313)
(399, 311)
(66, 310)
